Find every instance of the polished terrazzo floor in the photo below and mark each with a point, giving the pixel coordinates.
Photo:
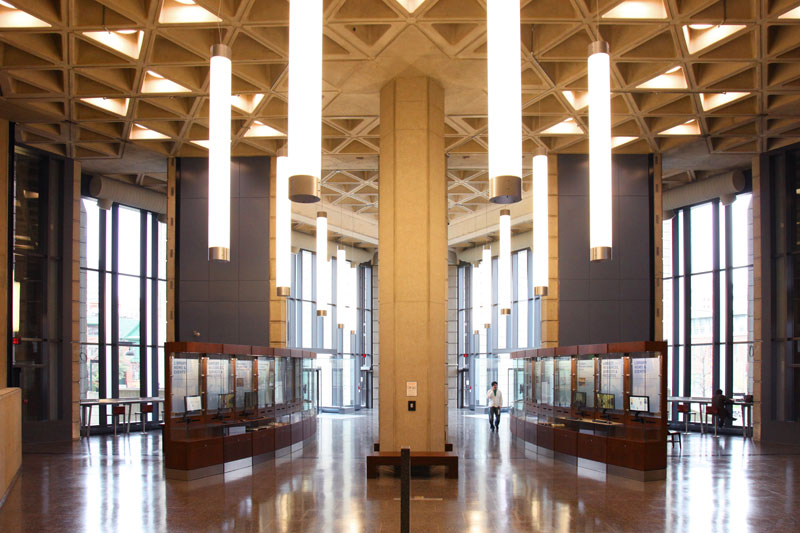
(110, 484)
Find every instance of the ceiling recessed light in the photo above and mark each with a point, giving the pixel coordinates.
(186, 2)
(12, 17)
(185, 12)
(410, 5)
(565, 127)
(129, 44)
(202, 143)
(117, 106)
(246, 102)
(791, 14)
(140, 133)
(672, 79)
(690, 127)
(259, 129)
(711, 101)
(156, 83)
(577, 99)
(619, 141)
(126, 32)
(637, 9)
(701, 36)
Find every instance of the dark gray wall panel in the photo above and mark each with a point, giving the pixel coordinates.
(609, 301)
(224, 302)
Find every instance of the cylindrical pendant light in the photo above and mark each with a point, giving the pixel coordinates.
(599, 152)
(341, 278)
(541, 226)
(219, 155)
(283, 228)
(505, 104)
(305, 99)
(323, 273)
(486, 275)
(504, 264)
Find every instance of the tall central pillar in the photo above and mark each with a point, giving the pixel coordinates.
(412, 266)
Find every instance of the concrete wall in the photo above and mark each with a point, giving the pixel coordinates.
(10, 438)
(452, 336)
(609, 301)
(224, 302)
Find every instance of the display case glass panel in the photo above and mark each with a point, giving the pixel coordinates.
(264, 389)
(280, 365)
(563, 381)
(537, 381)
(646, 379)
(245, 398)
(185, 380)
(548, 383)
(584, 390)
(611, 394)
(219, 383)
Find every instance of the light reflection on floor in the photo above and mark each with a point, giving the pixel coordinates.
(117, 484)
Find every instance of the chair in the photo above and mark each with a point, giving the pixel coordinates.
(144, 410)
(117, 410)
(714, 412)
(686, 409)
(671, 435)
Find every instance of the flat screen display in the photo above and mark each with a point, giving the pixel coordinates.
(639, 404)
(193, 404)
(605, 400)
(226, 401)
(580, 400)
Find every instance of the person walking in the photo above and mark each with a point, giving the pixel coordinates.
(494, 399)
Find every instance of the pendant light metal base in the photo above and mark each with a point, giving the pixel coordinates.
(341, 326)
(304, 189)
(601, 253)
(540, 291)
(284, 291)
(487, 326)
(598, 47)
(477, 332)
(505, 311)
(322, 312)
(219, 253)
(505, 189)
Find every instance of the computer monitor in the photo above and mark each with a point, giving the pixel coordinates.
(605, 400)
(193, 404)
(579, 400)
(250, 400)
(225, 401)
(639, 404)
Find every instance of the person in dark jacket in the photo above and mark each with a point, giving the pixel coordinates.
(721, 402)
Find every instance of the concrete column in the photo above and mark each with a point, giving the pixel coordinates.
(760, 330)
(172, 185)
(412, 266)
(550, 303)
(658, 249)
(74, 190)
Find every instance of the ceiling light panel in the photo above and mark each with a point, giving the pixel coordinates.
(155, 83)
(246, 102)
(124, 41)
(621, 141)
(185, 12)
(139, 133)
(672, 79)
(701, 36)
(690, 127)
(637, 9)
(711, 101)
(410, 5)
(11, 17)
(259, 129)
(577, 99)
(566, 127)
(792, 14)
(118, 106)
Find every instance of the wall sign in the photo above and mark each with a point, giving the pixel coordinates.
(411, 388)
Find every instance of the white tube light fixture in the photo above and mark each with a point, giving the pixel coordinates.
(15, 302)
(219, 155)
(486, 291)
(600, 223)
(323, 272)
(341, 274)
(505, 103)
(305, 99)
(541, 225)
(504, 264)
(283, 228)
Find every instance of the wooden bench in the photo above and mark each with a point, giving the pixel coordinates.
(447, 459)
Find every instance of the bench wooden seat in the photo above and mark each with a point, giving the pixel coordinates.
(447, 459)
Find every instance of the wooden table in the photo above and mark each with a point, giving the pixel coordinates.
(747, 411)
(86, 409)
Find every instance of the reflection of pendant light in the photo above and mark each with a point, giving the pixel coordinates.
(505, 106)
(504, 264)
(341, 273)
(305, 99)
(15, 295)
(486, 279)
(541, 226)
(599, 152)
(283, 228)
(219, 155)
(323, 274)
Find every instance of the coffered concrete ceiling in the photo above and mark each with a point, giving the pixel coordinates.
(121, 84)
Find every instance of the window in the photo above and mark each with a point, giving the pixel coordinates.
(123, 303)
(708, 300)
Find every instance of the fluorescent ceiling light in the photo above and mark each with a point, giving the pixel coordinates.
(701, 36)
(690, 127)
(711, 101)
(246, 102)
(323, 265)
(637, 9)
(541, 224)
(566, 127)
(672, 79)
(11, 17)
(118, 106)
(283, 228)
(791, 14)
(185, 12)
(139, 132)
(619, 141)
(410, 5)
(577, 99)
(156, 83)
(259, 129)
(122, 41)
(504, 264)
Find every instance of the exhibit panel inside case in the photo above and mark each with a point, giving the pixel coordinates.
(230, 406)
(601, 407)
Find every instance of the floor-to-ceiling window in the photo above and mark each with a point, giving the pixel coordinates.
(708, 298)
(123, 303)
(344, 354)
(488, 349)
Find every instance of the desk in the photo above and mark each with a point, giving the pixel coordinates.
(747, 411)
(86, 408)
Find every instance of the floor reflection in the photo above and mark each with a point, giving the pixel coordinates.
(117, 484)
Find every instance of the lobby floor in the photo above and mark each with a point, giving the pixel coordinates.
(107, 484)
